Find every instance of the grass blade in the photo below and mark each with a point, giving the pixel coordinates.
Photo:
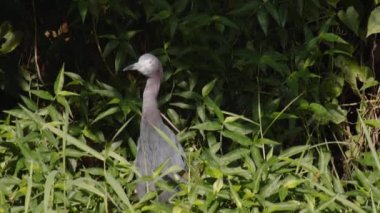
(119, 190)
(49, 185)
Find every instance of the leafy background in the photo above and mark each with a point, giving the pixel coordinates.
(275, 102)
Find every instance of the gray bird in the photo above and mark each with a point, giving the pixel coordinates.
(152, 149)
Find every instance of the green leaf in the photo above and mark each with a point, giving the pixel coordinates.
(373, 26)
(110, 46)
(49, 191)
(171, 141)
(63, 101)
(75, 77)
(283, 193)
(11, 39)
(273, 12)
(234, 155)
(42, 94)
(236, 137)
(70, 139)
(68, 93)
(295, 150)
(370, 143)
(350, 18)
(337, 114)
(320, 112)
(289, 206)
(275, 61)
(162, 15)
(267, 141)
(106, 113)
(271, 188)
(332, 86)
(82, 6)
(333, 3)
(29, 186)
(225, 21)
(89, 185)
(214, 108)
(248, 8)
(59, 81)
(367, 183)
(208, 126)
(173, 115)
(29, 103)
(373, 123)
(292, 182)
(160, 168)
(116, 186)
(182, 105)
(201, 112)
(331, 37)
(173, 26)
(235, 196)
(180, 5)
(217, 186)
(262, 17)
(238, 127)
(121, 56)
(208, 88)
(214, 172)
(283, 15)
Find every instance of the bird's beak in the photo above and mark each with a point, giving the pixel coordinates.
(131, 67)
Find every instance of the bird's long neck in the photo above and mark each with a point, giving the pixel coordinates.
(151, 113)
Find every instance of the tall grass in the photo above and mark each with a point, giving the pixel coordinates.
(51, 162)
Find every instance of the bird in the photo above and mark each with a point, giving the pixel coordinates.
(152, 148)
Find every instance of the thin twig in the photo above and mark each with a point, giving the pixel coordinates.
(170, 123)
(100, 49)
(373, 55)
(35, 44)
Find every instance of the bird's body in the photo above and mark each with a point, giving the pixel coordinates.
(152, 149)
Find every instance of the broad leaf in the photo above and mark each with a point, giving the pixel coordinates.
(373, 26)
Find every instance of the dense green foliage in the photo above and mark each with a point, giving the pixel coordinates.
(275, 102)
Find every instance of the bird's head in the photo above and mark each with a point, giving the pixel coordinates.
(148, 65)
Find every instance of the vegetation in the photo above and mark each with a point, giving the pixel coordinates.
(275, 102)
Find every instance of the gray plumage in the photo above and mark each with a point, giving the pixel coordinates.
(152, 149)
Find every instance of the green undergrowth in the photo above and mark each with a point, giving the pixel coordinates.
(53, 159)
(276, 104)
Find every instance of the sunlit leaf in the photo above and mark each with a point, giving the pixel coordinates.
(235, 196)
(236, 137)
(331, 37)
(373, 26)
(116, 186)
(209, 126)
(208, 88)
(218, 185)
(59, 81)
(10, 39)
(43, 94)
(49, 191)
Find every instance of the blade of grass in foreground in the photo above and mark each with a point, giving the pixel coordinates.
(49, 185)
(29, 187)
(370, 143)
(339, 198)
(118, 189)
